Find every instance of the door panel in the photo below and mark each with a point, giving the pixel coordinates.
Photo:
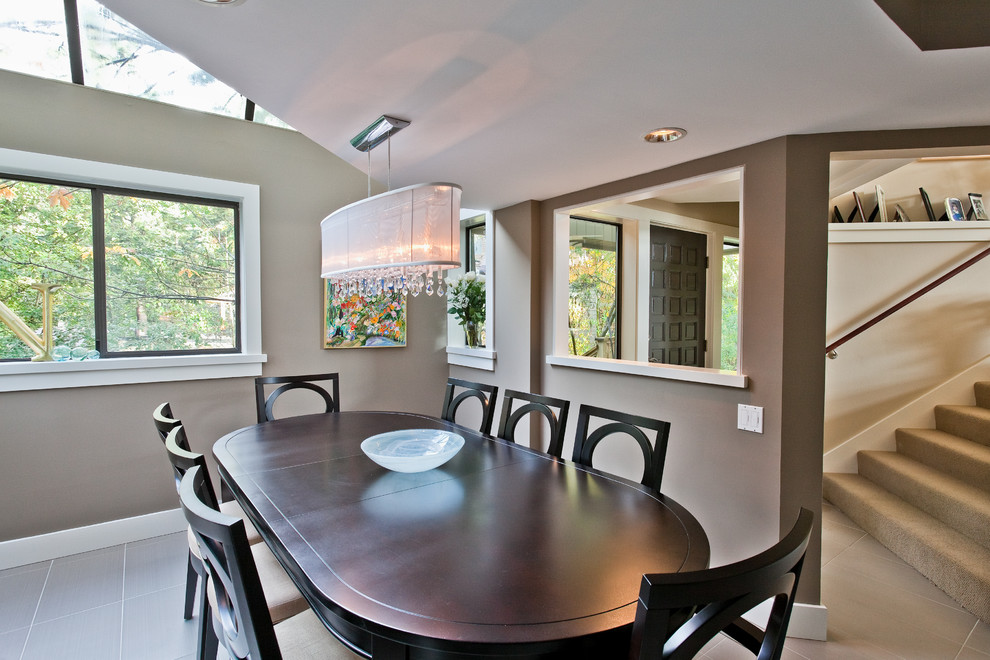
(678, 260)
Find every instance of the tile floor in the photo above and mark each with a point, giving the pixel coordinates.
(126, 602)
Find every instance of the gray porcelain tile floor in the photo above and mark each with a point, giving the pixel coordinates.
(125, 602)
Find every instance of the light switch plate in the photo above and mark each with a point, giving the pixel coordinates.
(751, 418)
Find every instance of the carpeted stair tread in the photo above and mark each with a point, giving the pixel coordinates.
(954, 562)
(970, 422)
(963, 459)
(955, 503)
(983, 394)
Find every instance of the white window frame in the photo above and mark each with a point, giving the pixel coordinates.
(20, 376)
(457, 351)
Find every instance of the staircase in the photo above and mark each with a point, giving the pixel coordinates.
(929, 501)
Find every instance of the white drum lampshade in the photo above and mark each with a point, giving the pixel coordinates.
(403, 239)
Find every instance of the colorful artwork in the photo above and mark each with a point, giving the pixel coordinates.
(357, 321)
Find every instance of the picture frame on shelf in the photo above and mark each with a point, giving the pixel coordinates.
(900, 215)
(928, 205)
(859, 206)
(836, 216)
(977, 208)
(954, 210)
(882, 203)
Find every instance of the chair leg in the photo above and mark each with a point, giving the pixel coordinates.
(191, 578)
(207, 643)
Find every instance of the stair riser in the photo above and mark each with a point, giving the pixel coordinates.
(969, 422)
(968, 464)
(983, 395)
(970, 516)
(960, 569)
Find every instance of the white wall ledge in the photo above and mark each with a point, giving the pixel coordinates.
(909, 232)
(476, 358)
(653, 370)
(21, 376)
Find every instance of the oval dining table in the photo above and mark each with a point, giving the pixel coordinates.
(503, 551)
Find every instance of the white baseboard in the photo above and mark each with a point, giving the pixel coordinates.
(807, 621)
(32, 549)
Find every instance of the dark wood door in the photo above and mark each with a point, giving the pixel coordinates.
(678, 261)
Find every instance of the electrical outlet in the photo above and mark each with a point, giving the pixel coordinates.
(751, 418)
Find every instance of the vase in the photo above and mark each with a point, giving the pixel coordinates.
(472, 334)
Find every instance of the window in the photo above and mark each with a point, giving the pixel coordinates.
(112, 55)
(651, 280)
(163, 285)
(474, 240)
(593, 288)
(137, 274)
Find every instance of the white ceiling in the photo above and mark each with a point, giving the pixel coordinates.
(527, 99)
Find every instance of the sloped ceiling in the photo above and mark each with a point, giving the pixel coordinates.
(518, 100)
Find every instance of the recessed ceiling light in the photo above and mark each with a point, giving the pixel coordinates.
(665, 135)
(221, 3)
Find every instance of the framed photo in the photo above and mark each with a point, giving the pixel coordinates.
(882, 203)
(351, 320)
(900, 215)
(954, 209)
(976, 205)
(928, 205)
(859, 206)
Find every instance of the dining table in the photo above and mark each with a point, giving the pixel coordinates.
(503, 551)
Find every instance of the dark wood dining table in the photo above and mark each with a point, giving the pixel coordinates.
(501, 552)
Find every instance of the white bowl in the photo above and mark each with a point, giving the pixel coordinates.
(412, 450)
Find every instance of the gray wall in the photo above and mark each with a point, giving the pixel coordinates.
(74, 457)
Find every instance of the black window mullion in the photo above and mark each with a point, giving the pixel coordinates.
(74, 41)
(99, 273)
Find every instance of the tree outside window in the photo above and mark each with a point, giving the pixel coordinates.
(593, 288)
(138, 273)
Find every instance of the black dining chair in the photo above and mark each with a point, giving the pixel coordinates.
(552, 409)
(164, 420)
(458, 391)
(587, 440)
(265, 401)
(282, 597)
(720, 596)
(241, 619)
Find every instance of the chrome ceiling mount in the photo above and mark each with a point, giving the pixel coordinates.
(380, 130)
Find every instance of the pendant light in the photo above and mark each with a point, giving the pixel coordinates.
(401, 240)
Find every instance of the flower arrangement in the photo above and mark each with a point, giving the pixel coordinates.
(466, 300)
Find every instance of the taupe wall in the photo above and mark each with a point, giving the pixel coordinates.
(74, 457)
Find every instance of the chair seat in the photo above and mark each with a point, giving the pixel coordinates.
(304, 637)
(281, 595)
(232, 508)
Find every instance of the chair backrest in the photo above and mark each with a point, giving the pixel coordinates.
(183, 460)
(654, 455)
(265, 404)
(164, 420)
(240, 613)
(452, 399)
(539, 405)
(720, 596)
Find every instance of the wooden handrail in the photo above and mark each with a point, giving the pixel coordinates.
(829, 350)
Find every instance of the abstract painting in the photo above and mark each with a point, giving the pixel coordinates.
(352, 320)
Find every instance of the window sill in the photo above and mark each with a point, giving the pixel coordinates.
(669, 372)
(22, 376)
(476, 358)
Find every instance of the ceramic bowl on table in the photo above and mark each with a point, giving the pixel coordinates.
(412, 450)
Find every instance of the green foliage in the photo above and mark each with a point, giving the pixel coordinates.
(730, 312)
(466, 298)
(169, 269)
(592, 299)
